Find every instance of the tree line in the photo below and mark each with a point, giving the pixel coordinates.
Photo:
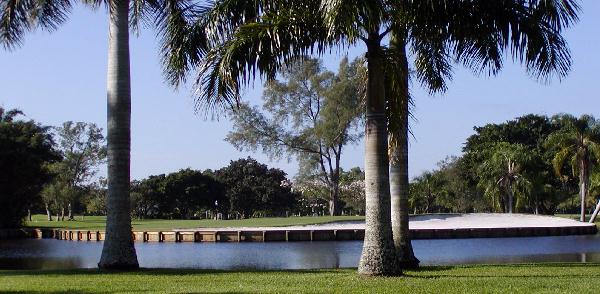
(532, 164)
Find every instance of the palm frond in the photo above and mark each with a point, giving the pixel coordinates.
(257, 50)
(559, 159)
(480, 32)
(18, 17)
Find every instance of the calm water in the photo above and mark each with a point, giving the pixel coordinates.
(54, 254)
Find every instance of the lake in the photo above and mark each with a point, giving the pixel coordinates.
(56, 254)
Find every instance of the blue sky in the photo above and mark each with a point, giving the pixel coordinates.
(60, 76)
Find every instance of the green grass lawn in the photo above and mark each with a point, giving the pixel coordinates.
(98, 222)
(544, 278)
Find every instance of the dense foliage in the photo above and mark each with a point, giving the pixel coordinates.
(517, 158)
(26, 148)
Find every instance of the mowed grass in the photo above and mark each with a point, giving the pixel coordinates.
(532, 278)
(99, 222)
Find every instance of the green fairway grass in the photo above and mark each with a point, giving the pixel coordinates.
(98, 222)
(530, 278)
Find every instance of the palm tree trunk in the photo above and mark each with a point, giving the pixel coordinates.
(583, 186)
(118, 251)
(378, 254)
(48, 213)
(510, 199)
(70, 212)
(399, 161)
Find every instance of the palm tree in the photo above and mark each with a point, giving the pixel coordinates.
(232, 42)
(501, 174)
(578, 143)
(19, 17)
(476, 38)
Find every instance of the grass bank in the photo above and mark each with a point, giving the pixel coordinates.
(99, 222)
(533, 278)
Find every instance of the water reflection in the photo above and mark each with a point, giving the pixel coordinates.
(54, 254)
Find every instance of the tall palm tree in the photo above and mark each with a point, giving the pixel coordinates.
(232, 42)
(578, 143)
(475, 34)
(19, 17)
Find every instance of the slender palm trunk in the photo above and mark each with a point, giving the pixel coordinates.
(510, 198)
(584, 179)
(399, 161)
(48, 213)
(118, 251)
(378, 254)
(29, 214)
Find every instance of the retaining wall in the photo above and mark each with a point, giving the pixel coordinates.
(295, 235)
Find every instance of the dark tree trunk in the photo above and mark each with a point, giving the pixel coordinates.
(378, 254)
(118, 251)
(334, 200)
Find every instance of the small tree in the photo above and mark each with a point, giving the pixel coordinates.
(83, 149)
(312, 115)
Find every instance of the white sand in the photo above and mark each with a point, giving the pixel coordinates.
(438, 221)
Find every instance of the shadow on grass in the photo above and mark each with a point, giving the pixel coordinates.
(163, 272)
(421, 272)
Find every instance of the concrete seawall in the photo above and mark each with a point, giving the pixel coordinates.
(292, 235)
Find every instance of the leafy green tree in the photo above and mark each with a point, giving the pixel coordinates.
(313, 114)
(83, 150)
(502, 176)
(26, 149)
(577, 143)
(95, 198)
(190, 190)
(253, 187)
(148, 197)
(426, 190)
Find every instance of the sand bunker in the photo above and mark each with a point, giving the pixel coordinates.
(439, 221)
